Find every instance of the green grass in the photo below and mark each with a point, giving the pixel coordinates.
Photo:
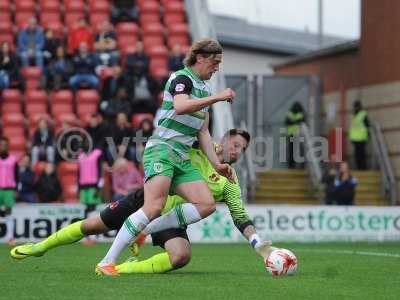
(326, 271)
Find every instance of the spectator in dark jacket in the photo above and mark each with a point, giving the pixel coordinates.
(59, 70)
(345, 185)
(48, 186)
(8, 66)
(123, 10)
(175, 59)
(120, 104)
(51, 44)
(331, 169)
(31, 44)
(106, 45)
(26, 185)
(84, 69)
(97, 131)
(43, 143)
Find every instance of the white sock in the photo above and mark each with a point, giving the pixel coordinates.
(10, 228)
(133, 225)
(179, 217)
(254, 240)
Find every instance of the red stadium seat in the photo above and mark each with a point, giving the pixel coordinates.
(84, 109)
(127, 29)
(4, 5)
(62, 96)
(148, 18)
(6, 27)
(68, 168)
(13, 107)
(87, 96)
(13, 119)
(25, 6)
(13, 131)
(149, 6)
(174, 7)
(165, 2)
(49, 17)
(31, 72)
(34, 109)
(159, 73)
(158, 52)
(74, 6)
(127, 43)
(97, 18)
(173, 18)
(11, 95)
(61, 108)
(22, 18)
(17, 143)
(178, 29)
(56, 26)
(138, 118)
(179, 39)
(49, 5)
(102, 6)
(71, 18)
(151, 42)
(7, 37)
(35, 96)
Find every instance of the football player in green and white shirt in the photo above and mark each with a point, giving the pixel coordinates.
(168, 169)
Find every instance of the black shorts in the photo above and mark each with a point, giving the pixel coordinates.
(114, 215)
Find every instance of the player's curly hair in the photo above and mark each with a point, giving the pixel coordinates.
(204, 47)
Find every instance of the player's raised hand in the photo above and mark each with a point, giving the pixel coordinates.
(226, 171)
(226, 95)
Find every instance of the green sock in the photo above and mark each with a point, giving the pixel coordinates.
(159, 263)
(64, 236)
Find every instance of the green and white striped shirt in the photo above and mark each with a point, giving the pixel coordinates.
(180, 131)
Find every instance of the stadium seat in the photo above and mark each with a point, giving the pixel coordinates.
(99, 6)
(159, 72)
(87, 96)
(49, 5)
(35, 96)
(62, 96)
(149, 6)
(22, 18)
(34, 109)
(178, 29)
(12, 107)
(148, 18)
(84, 109)
(70, 118)
(126, 44)
(11, 96)
(7, 37)
(71, 18)
(68, 168)
(173, 18)
(32, 77)
(4, 6)
(17, 143)
(138, 118)
(152, 41)
(165, 2)
(158, 52)
(179, 39)
(56, 26)
(74, 6)
(61, 108)
(127, 29)
(6, 27)
(25, 6)
(49, 17)
(13, 131)
(96, 18)
(174, 7)
(13, 119)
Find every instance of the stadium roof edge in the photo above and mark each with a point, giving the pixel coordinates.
(239, 33)
(328, 51)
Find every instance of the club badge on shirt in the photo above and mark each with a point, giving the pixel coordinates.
(179, 87)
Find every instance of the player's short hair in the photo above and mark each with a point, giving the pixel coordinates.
(241, 132)
(204, 47)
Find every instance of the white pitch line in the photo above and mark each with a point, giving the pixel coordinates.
(349, 252)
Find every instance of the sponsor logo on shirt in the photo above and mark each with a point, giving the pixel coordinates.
(179, 87)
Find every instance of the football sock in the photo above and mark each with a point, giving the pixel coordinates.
(254, 240)
(181, 216)
(159, 263)
(132, 227)
(64, 236)
(10, 228)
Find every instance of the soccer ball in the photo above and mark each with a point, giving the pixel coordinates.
(281, 262)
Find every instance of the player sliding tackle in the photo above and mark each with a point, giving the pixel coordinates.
(174, 241)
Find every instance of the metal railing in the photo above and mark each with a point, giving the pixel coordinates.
(313, 165)
(381, 153)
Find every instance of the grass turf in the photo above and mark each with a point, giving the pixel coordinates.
(326, 271)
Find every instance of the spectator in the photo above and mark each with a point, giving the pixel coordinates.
(43, 143)
(358, 134)
(328, 179)
(121, 132)
(175, 59)
(97, 131)
(67, 142)
(81, 33)
(84, 69)
(106, 45)
(120, 104)
(59, 70)
(51, 44)
(293, 120)
(8, 66)
(136, 69)
(26, 185)
(147, 128)
(8, 186)
(31, 44)
(90, 180)
(344, 186)
(125, 178)
(48, 186)
(124, 10)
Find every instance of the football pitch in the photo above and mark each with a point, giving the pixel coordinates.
(229, 271)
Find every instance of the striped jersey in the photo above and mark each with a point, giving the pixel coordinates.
(180, 131)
